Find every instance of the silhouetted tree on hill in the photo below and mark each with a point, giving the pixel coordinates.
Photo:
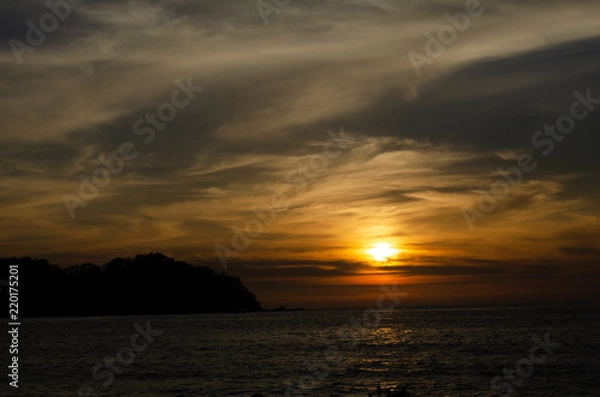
(146, 284)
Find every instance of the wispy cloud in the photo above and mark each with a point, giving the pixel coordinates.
(426, 145)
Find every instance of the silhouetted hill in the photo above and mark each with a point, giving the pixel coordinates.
(146, 284)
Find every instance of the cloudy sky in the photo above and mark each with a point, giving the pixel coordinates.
(320, 129)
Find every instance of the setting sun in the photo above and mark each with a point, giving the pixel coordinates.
(382, 252)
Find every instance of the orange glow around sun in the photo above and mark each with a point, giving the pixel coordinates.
(382, 252)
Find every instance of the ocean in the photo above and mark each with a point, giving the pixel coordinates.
(456, 352)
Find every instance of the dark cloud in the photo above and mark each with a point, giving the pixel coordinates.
(481, 106)
(581, 251)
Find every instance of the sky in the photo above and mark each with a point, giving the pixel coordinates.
(280, 140)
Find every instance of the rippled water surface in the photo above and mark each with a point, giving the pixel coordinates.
(435, 352)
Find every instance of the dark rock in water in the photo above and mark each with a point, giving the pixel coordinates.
(400, 393)
(285, 309)
(390, 392)
(257, 395)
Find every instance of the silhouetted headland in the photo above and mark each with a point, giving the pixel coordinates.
(146, 284)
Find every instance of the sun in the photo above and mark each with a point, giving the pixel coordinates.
(382, 252)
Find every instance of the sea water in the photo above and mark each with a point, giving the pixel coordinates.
(434, 352)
